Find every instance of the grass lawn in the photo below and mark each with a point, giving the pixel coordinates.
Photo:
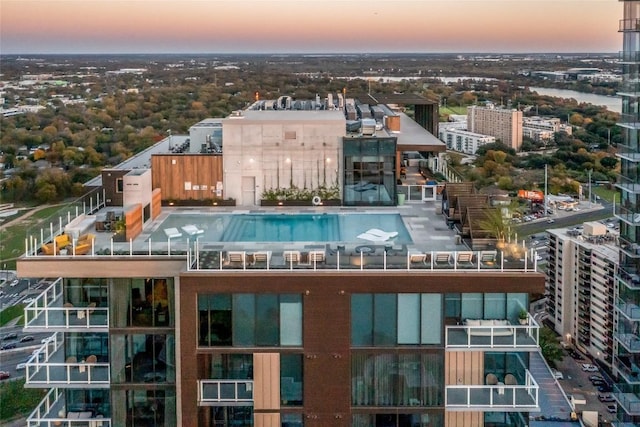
(13, 237)
(10, 313)
(17, 400)
(604, 193)
(453, 110)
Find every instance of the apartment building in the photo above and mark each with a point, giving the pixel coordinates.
(501, 123)
(280, 316)
(543, 129)
(626, 332)
(463, 141)
(579, 287)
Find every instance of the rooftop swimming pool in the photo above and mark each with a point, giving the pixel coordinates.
(252, 227)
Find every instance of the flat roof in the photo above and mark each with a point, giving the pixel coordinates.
(413, 137)
(287, 115)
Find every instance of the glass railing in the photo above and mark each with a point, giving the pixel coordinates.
(357, 257)
(497, 398)
(630, 309)
(627, 398)
(52, 412)
(48, 312)
(631, 342)
(225, 391)
(629, 25)
(493, 334)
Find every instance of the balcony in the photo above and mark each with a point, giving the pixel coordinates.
(58, 370)
(225, 393)
(627, 398)
(495, 398)
(629, 25)
(493, 337)
(628, 309)
(630, 248)
(54, 411)
(629, 276)
(628, 369)
(629, 57)
(631, 342)
(48, 313)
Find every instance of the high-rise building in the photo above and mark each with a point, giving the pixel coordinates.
(502, 123)
(579, 288)
(276, 316)
(627, 331)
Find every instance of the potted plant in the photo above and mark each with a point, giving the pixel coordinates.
(523, 317)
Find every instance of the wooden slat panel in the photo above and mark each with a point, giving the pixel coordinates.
(266, 420)
(156, 203)
(266, 381)
(466, 366)
(466, 419)
(171, 171)
(133, 220)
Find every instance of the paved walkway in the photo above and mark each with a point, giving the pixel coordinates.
(553, 401)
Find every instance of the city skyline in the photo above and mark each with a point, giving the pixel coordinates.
(308, 26)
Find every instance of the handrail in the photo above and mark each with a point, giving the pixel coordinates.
(230, 391)
(493, 396)
(499, 335)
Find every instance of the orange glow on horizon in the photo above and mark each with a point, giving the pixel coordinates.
(309, 26)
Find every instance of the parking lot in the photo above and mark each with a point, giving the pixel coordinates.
(576, 382)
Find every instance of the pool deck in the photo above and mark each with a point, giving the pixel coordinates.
(434, 245)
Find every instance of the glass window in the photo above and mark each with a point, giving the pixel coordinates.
(471, 306)
(494, 306)
(431, 319)
(384, 319)
(142, 302)
(244, 319)
(268, 324)
(292, 420)
(154, 408)
(408, 318)
(290, 320)
(362, 319)
(397, 380)
(143, 358)
(515, 303)
(291, 379)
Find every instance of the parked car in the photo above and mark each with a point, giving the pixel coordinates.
(27, 300)
(605, 388)
(10, 336)
(596, 377)
(27, 338)
(587, 367)
(606, 397)
(576, 355)
(4, 375)
(612, 408)
(8, 346)
(558, 375)
(15, 282)
(597, 383)
(550, 221)
(21, 366)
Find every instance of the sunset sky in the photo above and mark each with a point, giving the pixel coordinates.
(308, 26)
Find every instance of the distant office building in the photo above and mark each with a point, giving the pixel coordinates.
(504, 124)
(579, 288)
(463, 141)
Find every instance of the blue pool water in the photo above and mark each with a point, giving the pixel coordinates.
(284, 227)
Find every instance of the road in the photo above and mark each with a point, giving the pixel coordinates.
(566, 219)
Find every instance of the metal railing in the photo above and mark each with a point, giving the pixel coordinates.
(500, 397)
(627, 398)
(54, 401)
(225, 391)
(46, 311)
(490, 335)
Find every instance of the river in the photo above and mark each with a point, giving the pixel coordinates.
(613, 103)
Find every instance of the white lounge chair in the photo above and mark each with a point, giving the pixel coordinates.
(316, 256)
(377, 235)
(172, 233)
(465, 258)
(291, 257)
(443, 258)
(192, 230)
(417, 258)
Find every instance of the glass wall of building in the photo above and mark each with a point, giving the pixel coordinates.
(144, 407)
(142, 303)
(369, 171)
(422, 419)
(250, 320)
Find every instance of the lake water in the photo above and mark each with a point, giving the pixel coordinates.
(613, 103)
